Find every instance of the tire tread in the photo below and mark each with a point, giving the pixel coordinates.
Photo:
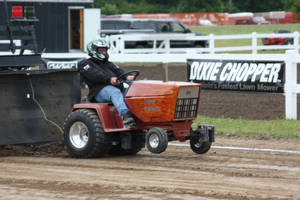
(101, 141)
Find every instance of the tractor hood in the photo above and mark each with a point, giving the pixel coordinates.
(157, 101)
(150, 88)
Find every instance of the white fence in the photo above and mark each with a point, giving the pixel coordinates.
(164, 54)
(160, 43)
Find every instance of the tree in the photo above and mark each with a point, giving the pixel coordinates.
(293, 5)
(199, 6)
(259, 5)
(110, 7)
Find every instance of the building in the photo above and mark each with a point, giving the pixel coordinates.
(61, 25)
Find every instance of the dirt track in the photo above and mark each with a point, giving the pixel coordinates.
(177, 173)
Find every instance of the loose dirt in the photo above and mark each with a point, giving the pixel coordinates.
(178, 173)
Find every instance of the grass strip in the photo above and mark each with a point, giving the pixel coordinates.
(244, 29)
(278, 128)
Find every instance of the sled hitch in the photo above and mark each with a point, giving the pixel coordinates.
(205, 132)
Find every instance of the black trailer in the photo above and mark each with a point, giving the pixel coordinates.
(34, 100)
(60, 24)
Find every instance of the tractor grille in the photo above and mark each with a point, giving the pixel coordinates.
(187, 102)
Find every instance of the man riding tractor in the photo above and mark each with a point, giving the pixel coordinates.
(124, 114)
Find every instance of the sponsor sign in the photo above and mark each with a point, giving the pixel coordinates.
(257, 76)
(61, 64)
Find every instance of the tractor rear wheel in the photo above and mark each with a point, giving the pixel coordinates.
(199, 146)
(157, 140)
(84, 136)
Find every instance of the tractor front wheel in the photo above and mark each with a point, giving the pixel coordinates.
(157, 140)
(84, 136)
(199, 146)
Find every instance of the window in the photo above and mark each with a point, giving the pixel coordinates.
(176, 27)
(143, 25)
(122, 25)
(107, 25)
(114, 25)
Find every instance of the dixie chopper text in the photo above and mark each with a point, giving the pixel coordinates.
(237, 75)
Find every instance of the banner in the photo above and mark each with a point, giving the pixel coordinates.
(61, 63)
(190, 18)
(235, 75)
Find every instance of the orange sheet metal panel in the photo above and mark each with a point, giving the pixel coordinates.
(154, 101)
(153, 109)
(190, 18)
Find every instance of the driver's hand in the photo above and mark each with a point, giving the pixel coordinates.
(130, 78)
(114, 81)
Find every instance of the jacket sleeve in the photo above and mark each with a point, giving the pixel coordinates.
(117, 70)
(92, 74)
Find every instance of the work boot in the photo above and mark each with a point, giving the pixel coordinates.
(128, 121)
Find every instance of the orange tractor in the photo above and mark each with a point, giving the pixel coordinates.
(164, 111)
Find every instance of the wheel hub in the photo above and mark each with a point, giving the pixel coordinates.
(79, 135)
(154, 141)
(198, 144)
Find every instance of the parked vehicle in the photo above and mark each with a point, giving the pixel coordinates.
(110, 26)
(205, 22)
(252, 20)
(278, 40)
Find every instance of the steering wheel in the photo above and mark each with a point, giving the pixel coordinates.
(122, 77)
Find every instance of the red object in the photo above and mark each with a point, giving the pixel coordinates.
(189, 18)
(278, 40)
(154, 104)
(17, 12)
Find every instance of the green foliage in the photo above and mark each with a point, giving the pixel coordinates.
(259, 5)
(278, 128)
(293, 5)
(200, 6)
(110, 7)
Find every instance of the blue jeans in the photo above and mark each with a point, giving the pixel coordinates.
(111, 94)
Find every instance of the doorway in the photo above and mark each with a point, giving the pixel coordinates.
(76, 28)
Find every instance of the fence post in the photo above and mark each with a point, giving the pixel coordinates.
(254, 43)
(168, 46)
(211, 44)
(165, 71)
(290, 84)
(296, 40)
(121, 44)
